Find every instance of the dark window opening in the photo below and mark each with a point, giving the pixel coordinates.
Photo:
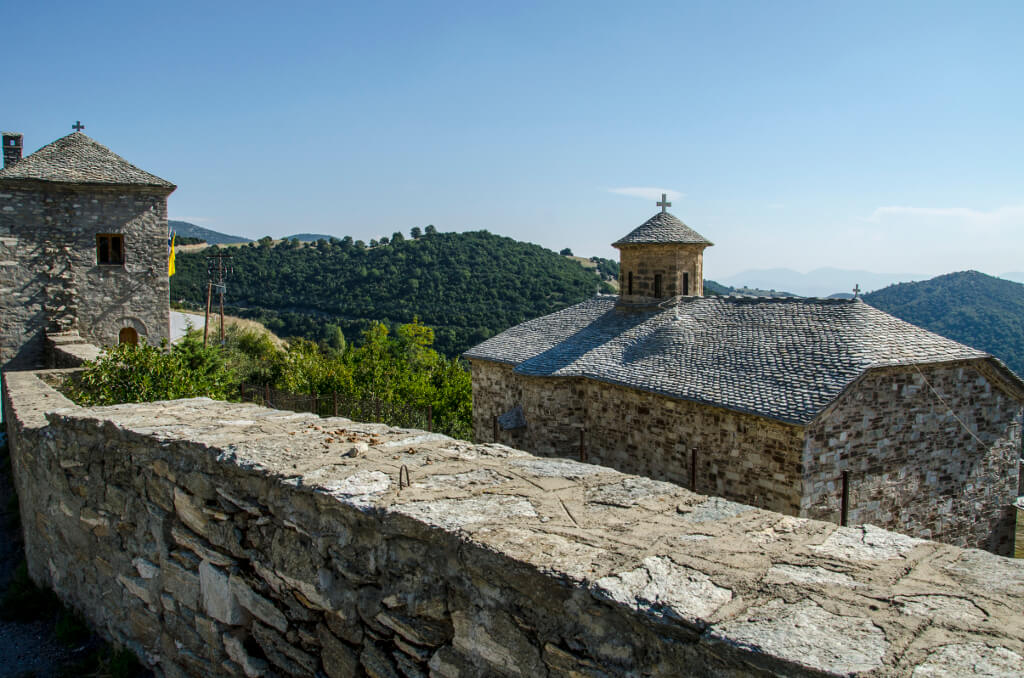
(630, 283)
(110, 249)
(686, 284)
(657, 284)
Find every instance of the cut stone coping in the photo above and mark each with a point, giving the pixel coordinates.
(810, 597)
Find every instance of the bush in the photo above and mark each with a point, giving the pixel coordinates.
(136, 374)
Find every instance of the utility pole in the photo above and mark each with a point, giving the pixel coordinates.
(218, 267)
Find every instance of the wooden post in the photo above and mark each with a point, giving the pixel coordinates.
(693, 469)
(335, 403)
(222, 314)
(266, 400)
(206, 323)
(430, 418)
(583, 449)
(844, 507)
(241, 397)
(376, 410)
(495, 425)
(316, 404)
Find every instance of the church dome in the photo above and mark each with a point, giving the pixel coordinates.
(663, 229)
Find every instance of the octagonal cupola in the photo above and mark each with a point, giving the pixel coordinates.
(661, 258)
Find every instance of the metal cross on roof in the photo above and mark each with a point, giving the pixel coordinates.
(856, 290)
(664, 202)
(78, 126)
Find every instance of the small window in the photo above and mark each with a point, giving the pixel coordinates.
(128, 335)
(686, 284)
(657, 284)
(630, 283)
(110, 249)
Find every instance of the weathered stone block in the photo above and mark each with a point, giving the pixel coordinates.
(260, 607)
(339, 660)
(219, 600)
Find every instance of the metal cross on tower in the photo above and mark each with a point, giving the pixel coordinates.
(78, 126)
(664, 202)
(856, 291)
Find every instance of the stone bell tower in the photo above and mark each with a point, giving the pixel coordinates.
(661, 258)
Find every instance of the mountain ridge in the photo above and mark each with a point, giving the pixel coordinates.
(190, 230)
(982, 311)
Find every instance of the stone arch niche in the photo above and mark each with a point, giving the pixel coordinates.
(131, 329)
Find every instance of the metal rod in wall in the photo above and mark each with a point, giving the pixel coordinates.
(844, 509)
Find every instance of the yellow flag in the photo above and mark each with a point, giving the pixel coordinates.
(170, 260)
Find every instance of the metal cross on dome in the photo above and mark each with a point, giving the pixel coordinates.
(78, 126)
(664, 202)
(856, 291)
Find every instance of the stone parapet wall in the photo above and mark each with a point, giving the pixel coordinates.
(68, 349)
(932, 451)
(228, 539)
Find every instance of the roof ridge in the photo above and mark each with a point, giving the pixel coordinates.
(77, 158)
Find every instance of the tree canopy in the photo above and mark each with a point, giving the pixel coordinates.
(466, 286)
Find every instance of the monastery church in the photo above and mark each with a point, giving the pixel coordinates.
(819, 408)
(822, 408)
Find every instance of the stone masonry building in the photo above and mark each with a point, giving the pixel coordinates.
(768, 401)
(83, 249)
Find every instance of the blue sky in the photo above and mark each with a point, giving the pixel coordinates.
(883, 136)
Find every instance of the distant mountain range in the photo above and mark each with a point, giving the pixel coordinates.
(970, 307)
(827, 282)
(821, 282)
(184, 228)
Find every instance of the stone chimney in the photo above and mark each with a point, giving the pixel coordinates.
(12, 148)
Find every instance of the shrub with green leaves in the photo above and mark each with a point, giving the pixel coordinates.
(136, 374)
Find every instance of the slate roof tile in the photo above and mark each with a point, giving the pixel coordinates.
(782, 358)
(78, 159)
(663, 228)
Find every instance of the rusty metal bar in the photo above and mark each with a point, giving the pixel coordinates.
(430, 418)
(844, 507)
(583, 448)
(335, 403)
(693, 469)
(494, 423)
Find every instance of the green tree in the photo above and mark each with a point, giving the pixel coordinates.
(135, 374)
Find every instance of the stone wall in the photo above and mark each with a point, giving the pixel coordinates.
(933, 452)
(739, 456)
(670, 261)
(68, 349)
(227, 539)
(913, 467)
(49, 278)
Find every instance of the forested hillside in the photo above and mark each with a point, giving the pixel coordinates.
(467, 286)
(186, 230)
(969, 307)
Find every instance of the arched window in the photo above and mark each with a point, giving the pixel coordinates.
(128, 335)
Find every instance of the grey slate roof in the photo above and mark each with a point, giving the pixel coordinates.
(663, 228)
(78, 159)
(782, 358)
